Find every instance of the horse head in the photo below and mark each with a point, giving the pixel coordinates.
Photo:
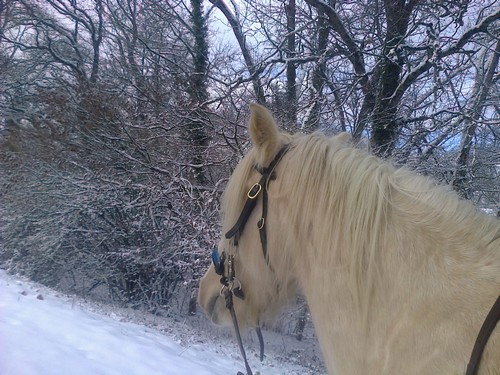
(255, 269)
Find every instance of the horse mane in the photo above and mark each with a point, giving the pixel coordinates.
(351, 204)
(359, 203)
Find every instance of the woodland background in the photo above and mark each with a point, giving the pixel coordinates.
(121, 120)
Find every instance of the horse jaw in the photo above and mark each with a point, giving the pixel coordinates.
(214, 305)
(210, 300)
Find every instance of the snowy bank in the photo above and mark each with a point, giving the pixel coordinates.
(45, 333)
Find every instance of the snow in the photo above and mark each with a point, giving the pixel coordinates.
(45, 333)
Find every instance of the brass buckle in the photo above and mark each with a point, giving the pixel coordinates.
(254, 191)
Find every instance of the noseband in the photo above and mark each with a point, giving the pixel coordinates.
(224, 264)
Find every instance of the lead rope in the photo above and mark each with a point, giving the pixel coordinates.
(228, 295)
(228, 281)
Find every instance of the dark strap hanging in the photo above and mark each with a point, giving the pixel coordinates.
(228, 295)
(261, 343)
(482, 338)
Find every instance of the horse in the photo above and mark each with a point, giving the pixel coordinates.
(398, 272)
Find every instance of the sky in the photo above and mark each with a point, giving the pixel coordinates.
(43, 332)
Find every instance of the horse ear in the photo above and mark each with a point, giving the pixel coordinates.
(264, 133)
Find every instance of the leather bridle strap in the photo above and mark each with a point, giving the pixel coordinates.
(482, 338)
(227, 279)
(228, 296)
(254, 193)
(261, 224)
(250, 203)
(252, 197)
(231, 286)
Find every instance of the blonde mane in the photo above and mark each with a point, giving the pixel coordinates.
(398, 271)
(360, 198)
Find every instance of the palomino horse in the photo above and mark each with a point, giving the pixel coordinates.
(399, 273)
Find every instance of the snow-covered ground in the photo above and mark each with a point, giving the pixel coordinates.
(43, 332)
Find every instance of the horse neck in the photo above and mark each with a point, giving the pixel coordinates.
(422, 265)
(421, 276)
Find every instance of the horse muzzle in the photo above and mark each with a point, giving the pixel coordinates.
(210, 299)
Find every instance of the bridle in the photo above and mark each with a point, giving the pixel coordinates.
(224, 264)
(261, 187)
(231, 286)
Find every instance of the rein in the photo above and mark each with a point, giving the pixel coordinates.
(487, 328)
(231, 286)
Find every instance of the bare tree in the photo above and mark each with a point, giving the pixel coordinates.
(126, 117)
(232, 18)
(473, 116)
(318, 79)
(198, 90)
(291, 69)
(98, 197)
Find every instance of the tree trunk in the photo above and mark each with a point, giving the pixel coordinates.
(97, 41)
(238, 33)
(385, 126)
(318, 75)
(481, 89)
(291, 68)
(198, 91)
